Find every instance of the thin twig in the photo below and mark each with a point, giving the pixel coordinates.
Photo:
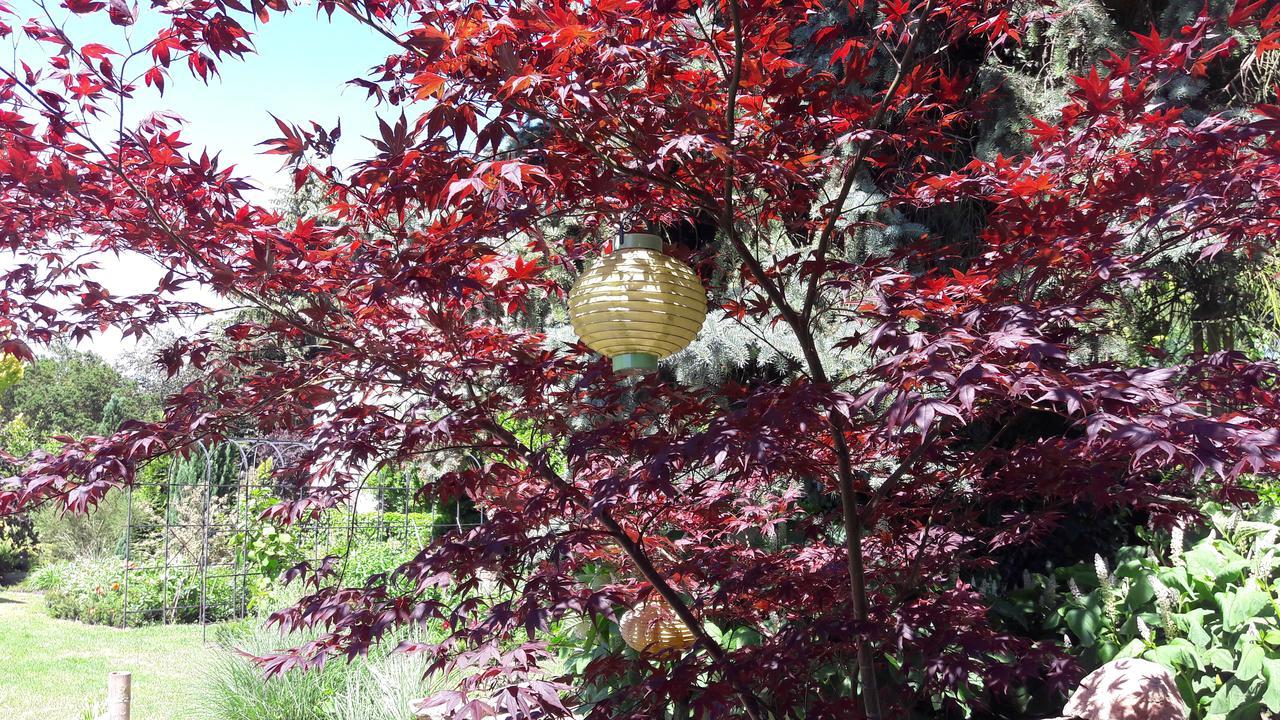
(855, 164)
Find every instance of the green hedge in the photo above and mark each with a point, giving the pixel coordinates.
(381, 527)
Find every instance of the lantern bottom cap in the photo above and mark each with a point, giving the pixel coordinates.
(635, 362)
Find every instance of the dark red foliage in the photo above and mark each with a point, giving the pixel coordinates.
(414, 292)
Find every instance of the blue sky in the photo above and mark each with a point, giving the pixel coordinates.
(299, 73)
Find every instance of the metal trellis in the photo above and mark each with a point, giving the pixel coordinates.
(187, 540)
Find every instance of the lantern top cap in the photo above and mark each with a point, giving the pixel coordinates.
(647, 241)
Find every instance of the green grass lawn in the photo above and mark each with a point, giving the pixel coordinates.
(56, 669)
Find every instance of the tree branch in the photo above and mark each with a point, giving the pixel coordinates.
(850, 512)
(638, 556)
(855, 166)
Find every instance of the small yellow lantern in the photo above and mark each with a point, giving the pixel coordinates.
(637, 305)
(653, 628)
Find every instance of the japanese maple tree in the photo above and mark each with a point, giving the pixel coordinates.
(939, 408)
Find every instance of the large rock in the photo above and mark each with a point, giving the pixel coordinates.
(1128, 689)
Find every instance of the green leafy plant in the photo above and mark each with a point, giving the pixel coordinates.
(17, 543)
(87, 589)
(218, 466)
(398, 486)
(92, 590)
(272, 549)
(98, 533)
(1208, 612)
(363, 560)
(269, 549)
(17, 532)
(11, 371)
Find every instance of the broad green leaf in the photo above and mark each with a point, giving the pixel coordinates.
(1141, 592)
(1242, 605)
(1052, 622)
(1206, 684)
(1192, 623)
(1107, 650)
(742, 637)
(1178, 653)
(1129, 557)
(1186, 689)
(1220, 658)
(1215, 562)
(1247, 529)
(1203, 560)
(1132, 570)
(1250, 662)
(1130, 626)
(1271, 698)
(1176, 578)
(1017, 610)
(1229, 697)
(1085, 623)
(1134, 648)
(1084, 575)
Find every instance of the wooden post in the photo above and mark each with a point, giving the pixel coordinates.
(119, 690)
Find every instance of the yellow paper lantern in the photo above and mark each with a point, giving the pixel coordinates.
(637, 305)
(653, 628)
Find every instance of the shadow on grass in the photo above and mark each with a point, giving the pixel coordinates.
(11, 579)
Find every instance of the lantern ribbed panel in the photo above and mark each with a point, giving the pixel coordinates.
(653, 628)
(637, 300)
